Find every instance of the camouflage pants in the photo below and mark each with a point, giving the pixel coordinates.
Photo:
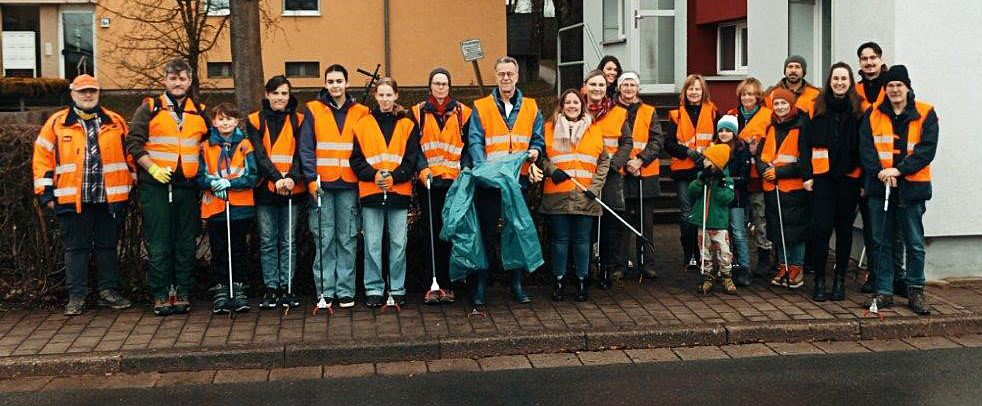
(716, 251)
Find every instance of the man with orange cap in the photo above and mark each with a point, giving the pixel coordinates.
(712, 193)
(82, 174)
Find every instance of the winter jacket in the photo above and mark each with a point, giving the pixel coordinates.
(738, 168)
(720, 194)
(837, 130)
(246, 180)
(922, 155)
(576, 202)
(274, 122)
(650, 155)
(794, 205)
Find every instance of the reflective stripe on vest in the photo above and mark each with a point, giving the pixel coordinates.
(167, 143)
(381, 155)
(579, 164)
(639, 132)
(785, 155)
(881, 127)
(698, 137)
(499, 140)
(210, 205)
(333, 145)
(281, 153)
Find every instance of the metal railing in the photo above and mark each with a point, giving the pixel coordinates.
(559, 52)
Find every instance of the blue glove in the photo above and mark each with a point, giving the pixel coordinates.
(220, 184)
(222, 194)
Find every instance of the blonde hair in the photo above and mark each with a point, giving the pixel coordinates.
(745, 86)
(397, 108)
(689, 80)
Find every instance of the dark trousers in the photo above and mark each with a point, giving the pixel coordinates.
(218, 237)
(438, 198)
(487, 201)
(687, 231)
(93, 231)
(171, 230)
(645, 225)
(612, 252)
(898, 242)
(834, 202)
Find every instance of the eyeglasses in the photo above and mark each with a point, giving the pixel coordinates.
(440, 84)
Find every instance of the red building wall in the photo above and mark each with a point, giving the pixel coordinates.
(703, 18)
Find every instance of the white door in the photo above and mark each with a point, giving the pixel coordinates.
(657, 38)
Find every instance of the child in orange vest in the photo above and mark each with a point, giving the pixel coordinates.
(228, 173)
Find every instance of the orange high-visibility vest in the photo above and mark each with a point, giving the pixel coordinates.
(867, 103)
(211, 205)
(610, 126)
(382, 156)
(639, 133)
(884, 136)
(333, 146)
(280, 153)
(169, 145)
(804, 102)
(579, 164)
(754, 130)
(820, 163)
(698, 137)
(499, 140)
(59, 159)
(442, 147)
(785, 155)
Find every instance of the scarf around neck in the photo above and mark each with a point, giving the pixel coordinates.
(600, 109)
(568, 133)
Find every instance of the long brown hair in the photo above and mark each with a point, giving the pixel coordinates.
(689, 80)
(855, 101)
(562, 99)
(397, 109)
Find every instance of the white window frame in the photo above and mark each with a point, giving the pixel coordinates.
(621, 35)
(220, 12)
(738, 48)
(302, 13)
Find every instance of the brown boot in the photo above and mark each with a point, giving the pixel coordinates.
(728, 285)
(796, 277)
(778, 279)
(706, 285)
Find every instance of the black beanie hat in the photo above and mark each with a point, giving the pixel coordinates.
(800, 60)
(897, 73)
(436, 71)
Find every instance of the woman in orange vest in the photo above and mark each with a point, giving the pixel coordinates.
(690, 130)
(833, 150)
(752, 121)
(574, 150)
(616, 131)
(273, 132)
(384, 159)
(442, 121)
(782, 167)
(227, 173)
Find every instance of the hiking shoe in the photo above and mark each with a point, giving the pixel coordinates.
(162, 307)
(346, 302)
(882, 301)
(74, 306)
(222, 303)
(240, 302)
(728, 285)
(374, 301)
(270, 300)
(916, 301)
(111, 299)
(706, 285)
(182, 305)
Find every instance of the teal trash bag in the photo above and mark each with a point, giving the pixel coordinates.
(520, 248)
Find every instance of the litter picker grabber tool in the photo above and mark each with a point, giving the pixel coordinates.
(784, 245)
(612, 212)
(228, 233)
(705, 213)
(289, 254)
(390, 303)
(170, 190)
(385, 192)
(373, 77)
(879, 250)
(172, 296)
(435, 293)
(639, 247)
(322, 302)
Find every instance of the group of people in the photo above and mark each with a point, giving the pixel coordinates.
(793, 159)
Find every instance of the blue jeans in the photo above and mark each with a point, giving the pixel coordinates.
(570, 231)
(375, 221)
(796, 253)
(908, 218)
(277, 243)
(334, 225)
(738, 234)
(687, 230)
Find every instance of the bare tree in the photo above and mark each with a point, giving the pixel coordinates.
(247, 55)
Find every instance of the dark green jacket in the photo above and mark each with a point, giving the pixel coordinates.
(720, 195)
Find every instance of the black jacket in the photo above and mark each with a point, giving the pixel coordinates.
(739, 169)
(838, 130)
(274, 122)
(794, 206)
(907, 164)
(403, 173)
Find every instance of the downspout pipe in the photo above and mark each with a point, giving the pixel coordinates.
(388, 37)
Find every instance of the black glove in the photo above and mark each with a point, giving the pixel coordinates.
(695, 155)
(589, 195)
(709, 174)
(559, 176)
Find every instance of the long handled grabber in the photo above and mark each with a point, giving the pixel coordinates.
(703, 254)
(435, 294)
(228, 233)
(289, 255)
(612, 212)
(879, 250)
(784, 245)
(322, 303)
(639, 247)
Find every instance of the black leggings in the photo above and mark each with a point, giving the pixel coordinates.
(834, 203)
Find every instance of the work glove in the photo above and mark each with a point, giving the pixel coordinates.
(162, 175)
(314, 189)
(383, 180)
(589, 195)
(559, 176)
(695, 155)
(221, 194)
(425, 177)
(220, 184)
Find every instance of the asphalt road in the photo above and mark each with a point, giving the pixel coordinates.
(937, 377)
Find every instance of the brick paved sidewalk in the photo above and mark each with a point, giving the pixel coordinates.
(667, 303)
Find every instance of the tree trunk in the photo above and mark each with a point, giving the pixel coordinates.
(247, 59)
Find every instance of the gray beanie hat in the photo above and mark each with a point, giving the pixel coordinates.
(800, 60)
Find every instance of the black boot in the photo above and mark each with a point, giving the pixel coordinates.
(741, 276)
(819, 294)
(870, 285)
(839, 285)
(604, 282)
(765, 268)
(558, 289)
(477, 299)
(517, 292)
(581, 294)
(916, 301)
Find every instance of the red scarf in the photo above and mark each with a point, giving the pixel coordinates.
(599, 110)
(441, 109)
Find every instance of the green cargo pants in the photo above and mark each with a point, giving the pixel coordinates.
(171, 230)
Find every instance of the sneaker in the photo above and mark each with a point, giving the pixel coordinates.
(270, 300)
(111, 299)
(374, 301)
(796, 277)
(346, 302)
(778, 279)
(399, 299)
(324, 303)
(728, 285)
(240, 302)
(617, 274)
(222, 303)
(692, 265)
(74, 306)
(289, 300)
(162, 307)
(182, 305)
